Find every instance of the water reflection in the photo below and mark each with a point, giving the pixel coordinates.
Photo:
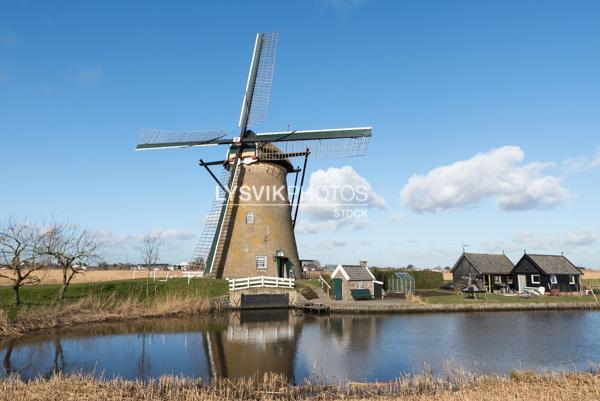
(355, 347)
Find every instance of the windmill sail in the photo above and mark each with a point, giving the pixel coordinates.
(258, 88)
(202, 251)
(224, 222)
(157, 139)
(264, 79)
(332, 143)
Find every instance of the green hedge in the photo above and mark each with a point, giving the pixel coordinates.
(423, 279)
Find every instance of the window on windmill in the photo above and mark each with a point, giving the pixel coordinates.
(250, 218)
(261, 262)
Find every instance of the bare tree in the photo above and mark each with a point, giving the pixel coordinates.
(20, 254)
(71, 247)
(149, 248)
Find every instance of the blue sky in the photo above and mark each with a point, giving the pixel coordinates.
(440, 82)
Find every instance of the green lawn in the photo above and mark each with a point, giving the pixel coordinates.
(304, 283)
(450, 297)
(48, 294)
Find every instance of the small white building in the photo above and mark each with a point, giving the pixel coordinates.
(353, 282)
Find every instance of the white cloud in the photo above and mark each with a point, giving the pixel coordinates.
(396, 217)
(7, 37)
(498, 174)
(581, 237)
(89, 75)
(172, 234)
(553, 243)
(335, 198)
(111, 239)
(580, 164)
(596, 161)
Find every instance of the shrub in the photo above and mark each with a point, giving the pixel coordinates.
(423, 279)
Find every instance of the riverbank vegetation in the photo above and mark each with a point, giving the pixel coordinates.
(41, 307)
(522, 386)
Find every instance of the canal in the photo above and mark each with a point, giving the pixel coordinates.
(330, 348)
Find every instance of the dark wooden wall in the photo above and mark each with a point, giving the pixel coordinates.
(460, 275)
(524, 266)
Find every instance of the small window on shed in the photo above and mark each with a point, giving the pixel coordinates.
(571, 279)
(509, 280)
(261, 262)
(497, 279)
(553, 279)
(250, 218)
(535, 279)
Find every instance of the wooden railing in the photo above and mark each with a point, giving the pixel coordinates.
(325, 285)
(260, 282)
(192, 274)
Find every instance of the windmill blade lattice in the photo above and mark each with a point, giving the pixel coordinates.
(264, 79)
(200, 257)
(318, 148)
(333, 143)
(155, 139)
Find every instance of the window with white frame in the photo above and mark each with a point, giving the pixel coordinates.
(509, 280)
(250, 218)
(497, 279)
(261, 262)
(571, 279)
(553, 279)
(535, 279)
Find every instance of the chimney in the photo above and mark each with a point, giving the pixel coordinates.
(363, 263)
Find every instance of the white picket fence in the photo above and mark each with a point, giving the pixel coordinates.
(260, 282)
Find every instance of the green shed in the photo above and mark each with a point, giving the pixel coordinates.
(401, 282)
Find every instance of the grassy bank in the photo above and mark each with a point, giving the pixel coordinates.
(523, 386)
(105, 301)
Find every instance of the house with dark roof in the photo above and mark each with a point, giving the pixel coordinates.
(353, 282)
(552, 272)
(486, 271)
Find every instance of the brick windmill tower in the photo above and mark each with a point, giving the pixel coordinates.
(250, 228)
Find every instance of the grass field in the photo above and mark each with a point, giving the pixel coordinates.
(54, 276)
(46, 295)
(520, 386)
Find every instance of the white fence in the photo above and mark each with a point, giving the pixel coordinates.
(260, 282)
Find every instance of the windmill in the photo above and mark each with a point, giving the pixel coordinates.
(249, 230)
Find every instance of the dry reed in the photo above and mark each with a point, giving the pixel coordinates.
(94, 309)
(524, 386)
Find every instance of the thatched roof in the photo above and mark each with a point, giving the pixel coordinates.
(553, 264)
(489, 263)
